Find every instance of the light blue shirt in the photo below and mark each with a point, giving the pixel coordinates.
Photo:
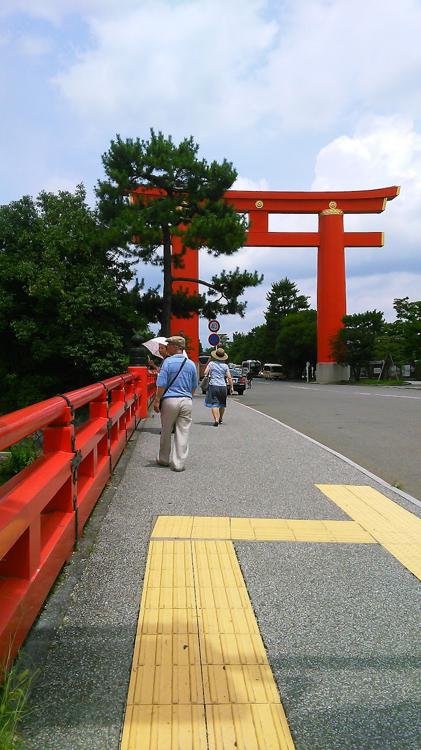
(217, 373)
(184, 383)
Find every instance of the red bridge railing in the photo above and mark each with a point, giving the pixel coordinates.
(44, 508)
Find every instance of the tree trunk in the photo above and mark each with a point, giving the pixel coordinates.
(167, 290)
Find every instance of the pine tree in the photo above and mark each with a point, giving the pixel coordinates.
(283, 298)
(188, 203)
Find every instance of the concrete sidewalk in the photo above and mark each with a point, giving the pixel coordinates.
(340, 621)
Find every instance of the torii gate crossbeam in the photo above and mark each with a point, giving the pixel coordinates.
(330, 239)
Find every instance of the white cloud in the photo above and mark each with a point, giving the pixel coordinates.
(188, 63)
(210, 66)
(335, 58)
(383, 151)
(246, 183)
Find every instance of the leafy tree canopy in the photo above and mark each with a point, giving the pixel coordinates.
(66, 313)
(296, 342)
(408, 327)
(289, 334)
(187, 203)
(355, 344)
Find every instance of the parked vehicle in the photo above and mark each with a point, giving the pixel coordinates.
(251, 365)
(273, 371)
(238, 380)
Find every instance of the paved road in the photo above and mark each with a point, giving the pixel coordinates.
(377, 427)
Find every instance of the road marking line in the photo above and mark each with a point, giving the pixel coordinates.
(358, 393)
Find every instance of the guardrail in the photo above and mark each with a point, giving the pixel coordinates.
(44, 508)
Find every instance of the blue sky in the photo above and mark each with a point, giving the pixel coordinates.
(298, 94)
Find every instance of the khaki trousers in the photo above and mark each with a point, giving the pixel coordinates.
(175, 413)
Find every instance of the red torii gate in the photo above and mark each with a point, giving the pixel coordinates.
(330, 239)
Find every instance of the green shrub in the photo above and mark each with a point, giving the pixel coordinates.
(20, 455)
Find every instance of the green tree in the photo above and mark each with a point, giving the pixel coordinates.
(355, 343)
(66, 310)
(390, 347)
(296, 342)
(189, 204)
(283, 298)
(252, 345)
(408, 327)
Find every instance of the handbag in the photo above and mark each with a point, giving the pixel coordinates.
(204, 383)
(172, 381)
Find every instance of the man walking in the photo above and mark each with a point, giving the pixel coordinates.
(176, 384)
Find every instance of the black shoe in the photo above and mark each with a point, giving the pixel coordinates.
(220, 421)
(216, 424)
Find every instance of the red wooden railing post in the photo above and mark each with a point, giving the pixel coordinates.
(60, 437)
(41, 506)
(141, 375)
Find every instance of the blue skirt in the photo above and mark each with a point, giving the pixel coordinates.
(216, 396)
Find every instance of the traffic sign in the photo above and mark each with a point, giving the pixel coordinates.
(214, 326)
(214, 339)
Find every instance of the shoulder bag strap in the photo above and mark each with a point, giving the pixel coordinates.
(175, 377)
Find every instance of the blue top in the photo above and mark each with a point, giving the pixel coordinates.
(184, 383)
(217, 373)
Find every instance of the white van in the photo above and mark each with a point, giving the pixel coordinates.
(273, 371)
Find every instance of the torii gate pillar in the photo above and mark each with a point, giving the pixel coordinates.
(331, 294)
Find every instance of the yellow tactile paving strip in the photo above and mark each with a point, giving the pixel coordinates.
(200, 675)
(395, 528)
(260, 529)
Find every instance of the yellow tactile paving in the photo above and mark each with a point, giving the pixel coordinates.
(164, 728)
(248, 727)
(234, 683)
(265, 529)
(395, 528)
(199, 659)
(166, 684)
(232, 648)
(179, 649)
(200, 676)
(210, 527)
(173, 527)
(227, 621)
(161, 621)
(170, 598)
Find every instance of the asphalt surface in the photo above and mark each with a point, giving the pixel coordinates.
(340, 621)
(378, 427)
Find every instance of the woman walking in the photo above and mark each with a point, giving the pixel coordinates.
(216, 394)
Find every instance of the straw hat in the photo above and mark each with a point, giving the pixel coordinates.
(219, 354)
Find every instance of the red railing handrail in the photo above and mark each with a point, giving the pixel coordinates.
(18, 424)
(43, 509)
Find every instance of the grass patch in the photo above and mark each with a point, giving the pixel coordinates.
(15, 684)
